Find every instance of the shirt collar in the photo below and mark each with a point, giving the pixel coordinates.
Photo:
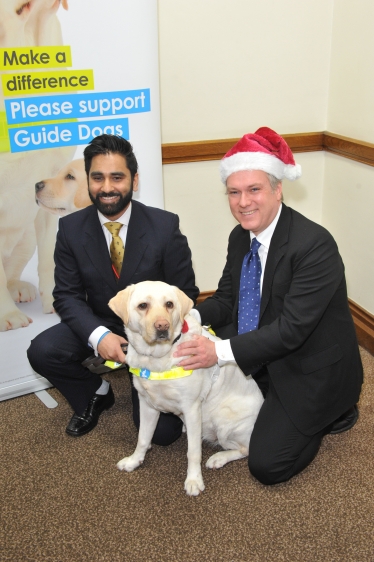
(124, 219)
(265, 236)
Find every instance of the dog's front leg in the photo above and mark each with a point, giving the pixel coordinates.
(148, 421)
(194, 482)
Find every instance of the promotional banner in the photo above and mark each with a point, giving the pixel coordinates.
(70, 70)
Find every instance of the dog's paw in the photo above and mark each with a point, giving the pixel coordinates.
(218, 460)
(21, 291)
(128, 464)
(47, 303)
(194, 486)
(14, 319)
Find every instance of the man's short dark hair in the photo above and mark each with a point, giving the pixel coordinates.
(110, 144)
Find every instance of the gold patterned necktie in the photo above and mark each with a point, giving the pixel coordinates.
(117, 249)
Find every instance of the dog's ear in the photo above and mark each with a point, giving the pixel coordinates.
(185, 302)
(65, 4)
(119, 303)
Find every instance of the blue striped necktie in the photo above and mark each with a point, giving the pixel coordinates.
(249, 292)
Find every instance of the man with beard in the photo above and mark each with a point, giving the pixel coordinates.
(87, 276)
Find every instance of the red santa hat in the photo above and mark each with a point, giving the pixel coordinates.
(263, 150)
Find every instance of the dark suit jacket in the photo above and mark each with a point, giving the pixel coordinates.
(155, 251)
(306, 336)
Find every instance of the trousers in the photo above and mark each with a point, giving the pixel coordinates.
(57, 355)
(277, 449)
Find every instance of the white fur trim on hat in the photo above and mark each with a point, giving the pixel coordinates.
(258, 161)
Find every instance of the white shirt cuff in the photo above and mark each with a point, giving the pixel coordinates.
(224, 352)
(94, 338)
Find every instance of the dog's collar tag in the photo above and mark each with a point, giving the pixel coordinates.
(184, 328)
(175, 373)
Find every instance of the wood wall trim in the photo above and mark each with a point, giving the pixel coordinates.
(359, 151)
(364, 324)
(197, 151)
(363, 321)
(204, 295)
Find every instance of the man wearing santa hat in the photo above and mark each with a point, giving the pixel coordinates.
(281, 309)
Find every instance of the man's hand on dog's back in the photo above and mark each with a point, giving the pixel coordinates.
(110, 348)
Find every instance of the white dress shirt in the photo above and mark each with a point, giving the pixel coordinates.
(94, 338)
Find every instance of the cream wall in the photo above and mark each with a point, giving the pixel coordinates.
(351, 91)
(227, 68)
(348, 201)
(348, 214)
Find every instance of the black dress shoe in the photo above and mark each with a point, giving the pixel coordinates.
(80, 425)
(345, 422)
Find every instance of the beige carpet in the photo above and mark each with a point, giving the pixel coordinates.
(64, 500)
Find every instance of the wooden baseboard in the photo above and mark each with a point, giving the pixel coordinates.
(363, 321)
(364, 324)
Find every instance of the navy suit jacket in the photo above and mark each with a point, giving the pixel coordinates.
(306, 336)
(155, 250)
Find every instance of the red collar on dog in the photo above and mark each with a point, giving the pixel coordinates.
(184, 331)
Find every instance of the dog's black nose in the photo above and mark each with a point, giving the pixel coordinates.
(162, 334)
(39, 186)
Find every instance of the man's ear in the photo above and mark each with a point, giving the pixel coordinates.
(135, 184)
(120, 303)
(185, 302)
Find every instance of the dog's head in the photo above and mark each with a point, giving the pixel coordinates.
(153, 309)
(66, 192)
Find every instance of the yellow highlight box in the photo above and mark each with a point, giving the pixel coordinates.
(45, 82)
(4, 137)
(35, 57)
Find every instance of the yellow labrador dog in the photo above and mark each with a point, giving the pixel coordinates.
(219, 405)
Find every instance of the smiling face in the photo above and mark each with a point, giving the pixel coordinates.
(252, 201)
(109, 184)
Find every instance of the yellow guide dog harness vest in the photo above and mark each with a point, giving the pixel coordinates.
(174, 373)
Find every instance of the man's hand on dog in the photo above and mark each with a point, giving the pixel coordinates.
(201, 353)
(110, 348)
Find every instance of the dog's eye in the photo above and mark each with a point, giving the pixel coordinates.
(69, 177)
(169, 304)
(142, 306)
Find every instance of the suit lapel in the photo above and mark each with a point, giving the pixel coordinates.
(95, 245)
(136, 243)
(278, 246)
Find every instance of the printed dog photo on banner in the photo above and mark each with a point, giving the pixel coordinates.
(23, 226)
(57, 93)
